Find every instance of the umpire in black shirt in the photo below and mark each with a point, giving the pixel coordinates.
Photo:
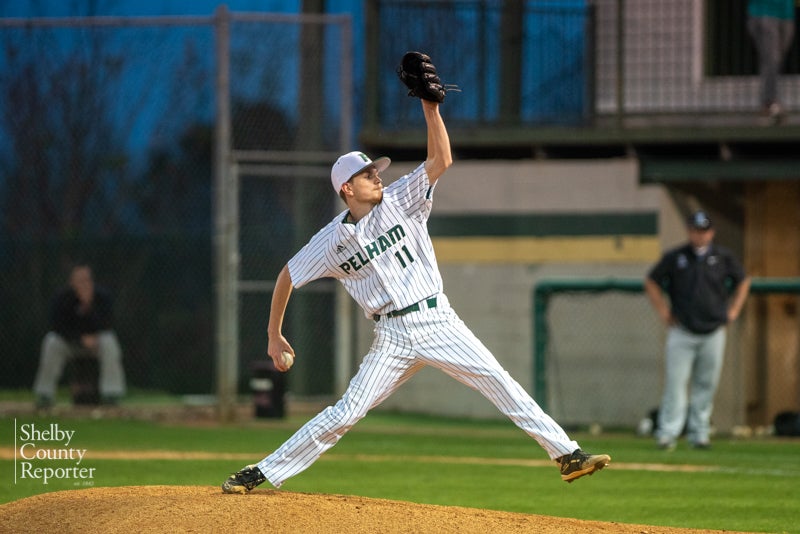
(707, 288)
(81, 323)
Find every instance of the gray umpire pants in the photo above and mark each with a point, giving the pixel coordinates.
(693, 363)
(56, 351)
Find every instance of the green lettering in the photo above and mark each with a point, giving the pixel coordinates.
(396, 233)
(376, 248)
(372, 249)
(384, 243)
(361, 259)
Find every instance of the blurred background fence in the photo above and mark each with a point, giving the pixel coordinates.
(106, 157)
(571, 62)
(109, 137)
(522, 62)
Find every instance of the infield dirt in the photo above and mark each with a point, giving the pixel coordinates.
(206, 509)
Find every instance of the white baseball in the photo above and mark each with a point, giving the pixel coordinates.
(288, 359)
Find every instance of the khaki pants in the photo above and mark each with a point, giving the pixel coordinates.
(56, 351)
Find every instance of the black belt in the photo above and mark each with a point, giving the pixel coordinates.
(430, 303)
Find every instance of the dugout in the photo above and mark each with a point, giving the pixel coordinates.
(747, 393)
(758, 205)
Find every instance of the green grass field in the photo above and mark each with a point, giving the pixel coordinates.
(745, 485)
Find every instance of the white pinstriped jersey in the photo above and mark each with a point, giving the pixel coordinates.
(386, 260)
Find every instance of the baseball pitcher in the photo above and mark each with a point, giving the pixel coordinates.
(380, 250)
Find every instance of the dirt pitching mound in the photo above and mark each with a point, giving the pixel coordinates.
(207, 509)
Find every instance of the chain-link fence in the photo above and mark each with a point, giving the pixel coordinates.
(279, 212)
(682, 56)
(279, 178)
(520, 62)
(106, 158)
(109, 141)
(603, 360)
(536, 62)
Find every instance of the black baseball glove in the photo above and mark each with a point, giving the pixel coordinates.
(418, 74)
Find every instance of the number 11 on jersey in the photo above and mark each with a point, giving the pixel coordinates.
(400, 258)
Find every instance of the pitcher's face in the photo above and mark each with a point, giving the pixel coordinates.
(367, 187)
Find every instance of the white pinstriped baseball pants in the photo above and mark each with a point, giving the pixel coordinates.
(402, 346)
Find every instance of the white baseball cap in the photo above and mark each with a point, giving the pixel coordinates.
(354, 163)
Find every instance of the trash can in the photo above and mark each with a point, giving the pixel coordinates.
(84, 376)
(269, 389)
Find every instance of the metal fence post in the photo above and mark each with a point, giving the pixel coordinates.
(343, 338)
(224, 233)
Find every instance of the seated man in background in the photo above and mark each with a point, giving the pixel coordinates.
(80, 324)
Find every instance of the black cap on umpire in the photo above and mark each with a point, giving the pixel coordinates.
(700, 220)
